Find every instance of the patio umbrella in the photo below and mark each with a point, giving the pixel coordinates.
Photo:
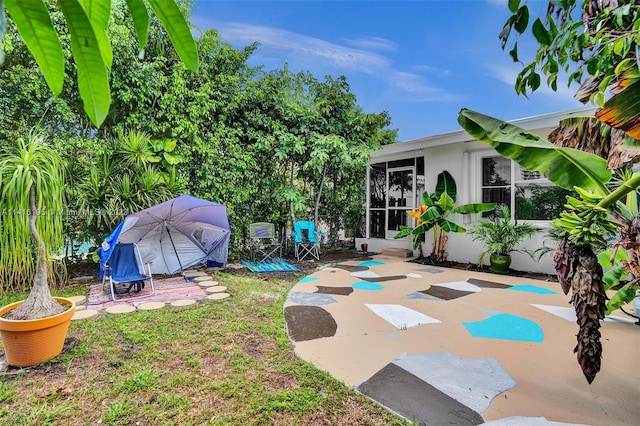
(175, 235)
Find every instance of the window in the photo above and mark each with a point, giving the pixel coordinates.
(534, 196)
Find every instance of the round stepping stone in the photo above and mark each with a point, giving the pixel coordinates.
(208, 283)
(218, 296)
(202, 278)
(84, 314)
(182, 303)
(80, 307)
(192, 274)
(120, 309)
(150, 306)
(216, 289)
(78, 299)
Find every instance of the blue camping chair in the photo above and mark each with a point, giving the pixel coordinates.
(306, 239)
(123, 269)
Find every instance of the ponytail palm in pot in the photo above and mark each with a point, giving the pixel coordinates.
(500, 237)
(31, 179)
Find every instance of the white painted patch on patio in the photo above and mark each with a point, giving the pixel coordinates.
(401, 316)
(472, 382)
(365, 274)
(460, 286)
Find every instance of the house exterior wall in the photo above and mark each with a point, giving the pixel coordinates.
(460, 155)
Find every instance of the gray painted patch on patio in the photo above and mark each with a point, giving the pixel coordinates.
(310, 299)
(473, 382)
(397, 389)
(420, 295)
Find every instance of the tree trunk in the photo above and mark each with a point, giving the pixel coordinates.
(40, 303)
(291, 207)
(316, 207)
(579, 271)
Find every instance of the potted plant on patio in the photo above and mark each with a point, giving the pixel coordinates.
(31, 182)
(500, 237)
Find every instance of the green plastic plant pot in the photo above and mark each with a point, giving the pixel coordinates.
(500, 263)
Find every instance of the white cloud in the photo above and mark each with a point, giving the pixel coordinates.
(373, 43)
(415, 85)
(309, 53)
(291, 46)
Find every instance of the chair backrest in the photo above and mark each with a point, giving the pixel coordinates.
(304, 231)
(262, 230)
(125, 263)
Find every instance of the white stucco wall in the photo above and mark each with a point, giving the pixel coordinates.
(458, 153)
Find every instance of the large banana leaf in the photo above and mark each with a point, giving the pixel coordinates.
(99, 12)
(474, 208)
(33, 22)
(140, 17)
(566, 167)
(622, 111)
(446, 183)
(93, 80)
(178, 30)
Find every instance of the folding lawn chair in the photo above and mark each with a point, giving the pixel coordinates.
(306, 239)
(124, 270)
(264, 241)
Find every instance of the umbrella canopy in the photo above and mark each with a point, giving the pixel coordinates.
(175, 235)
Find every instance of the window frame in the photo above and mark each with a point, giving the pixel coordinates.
(515, 170)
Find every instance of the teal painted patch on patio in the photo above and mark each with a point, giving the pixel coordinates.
(506, 327)
(531, 289)
(371, 263)
(308, 280)
(365, 285)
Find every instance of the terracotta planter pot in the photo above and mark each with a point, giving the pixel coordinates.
(31, 342)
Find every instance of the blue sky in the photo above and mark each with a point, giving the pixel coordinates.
(419, 60)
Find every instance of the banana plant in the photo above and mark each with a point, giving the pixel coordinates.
(434, 214)
(584, 226)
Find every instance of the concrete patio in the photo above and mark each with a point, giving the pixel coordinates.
(444, 346)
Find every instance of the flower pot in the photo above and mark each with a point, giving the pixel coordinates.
(30, 342)
(500, 263)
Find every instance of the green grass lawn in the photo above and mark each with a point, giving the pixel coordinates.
(224, 362)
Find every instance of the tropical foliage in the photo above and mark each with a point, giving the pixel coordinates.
(86, 25)
(586, 224)
(269, 145)
(434, 214)
(499, 234)
(600, 51)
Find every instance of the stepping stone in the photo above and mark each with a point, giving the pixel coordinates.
(80, 308)
(150, 306)
(216, 289)
(218, 296)
(202, 278)
(183, 303)
(80, 300)
(84, 314)
(120, 309)
(192, 274)
(208, 283)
